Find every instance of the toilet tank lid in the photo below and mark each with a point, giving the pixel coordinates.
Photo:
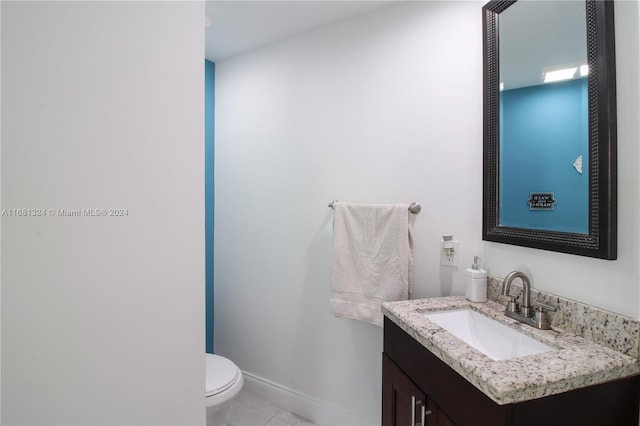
(221, 373)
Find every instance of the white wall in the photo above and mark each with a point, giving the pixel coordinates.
(613, 285)
(103, 317)
(374, 109)
(384, 107)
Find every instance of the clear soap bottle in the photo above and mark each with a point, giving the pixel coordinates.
(476, 282)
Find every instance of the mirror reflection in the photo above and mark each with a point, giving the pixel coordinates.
(544, 121)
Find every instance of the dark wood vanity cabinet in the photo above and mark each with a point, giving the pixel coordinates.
(404, 403)
(416, 382)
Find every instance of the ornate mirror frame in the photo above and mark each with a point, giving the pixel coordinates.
(601, 241)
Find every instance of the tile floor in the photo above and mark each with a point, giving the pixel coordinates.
(247, 409)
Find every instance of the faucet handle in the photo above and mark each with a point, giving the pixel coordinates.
(541, 307)
(512, 305)
(541, 317)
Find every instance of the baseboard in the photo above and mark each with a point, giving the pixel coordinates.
(319, 412)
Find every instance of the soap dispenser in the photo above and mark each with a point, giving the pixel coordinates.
(476, 282)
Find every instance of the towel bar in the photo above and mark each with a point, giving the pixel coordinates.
(413, 207)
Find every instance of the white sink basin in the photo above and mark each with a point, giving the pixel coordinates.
(495, 340)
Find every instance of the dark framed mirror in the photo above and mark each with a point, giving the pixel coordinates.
(550, 126)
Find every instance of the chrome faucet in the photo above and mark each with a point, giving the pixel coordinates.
(524, 313)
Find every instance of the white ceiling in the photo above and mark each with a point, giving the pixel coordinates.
(534, 35)
(240, 26)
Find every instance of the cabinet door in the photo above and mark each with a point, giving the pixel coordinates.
(403, 403)
(435, 416)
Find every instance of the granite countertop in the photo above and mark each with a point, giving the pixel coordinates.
(576, 363)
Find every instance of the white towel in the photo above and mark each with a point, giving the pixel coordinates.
(372, 259)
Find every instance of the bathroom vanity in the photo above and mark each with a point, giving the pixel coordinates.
(430, 377)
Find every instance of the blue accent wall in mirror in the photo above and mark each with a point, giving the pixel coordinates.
(543, 134)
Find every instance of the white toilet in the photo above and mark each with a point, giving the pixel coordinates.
(224, 381)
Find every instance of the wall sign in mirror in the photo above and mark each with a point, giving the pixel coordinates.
(550, 126)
